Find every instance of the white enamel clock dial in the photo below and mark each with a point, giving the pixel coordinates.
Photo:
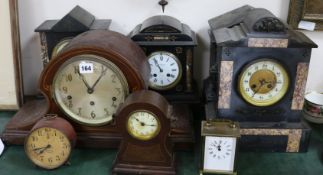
(166, 70)
(219, 154)
(89, 89)
(263, 82)
(143, 125)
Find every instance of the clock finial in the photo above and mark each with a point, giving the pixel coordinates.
(163, 3)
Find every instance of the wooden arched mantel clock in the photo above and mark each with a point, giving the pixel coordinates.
(88, 81)
(145, 124)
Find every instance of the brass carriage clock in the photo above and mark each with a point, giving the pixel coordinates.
(56, 34)
(145, 123)
(258, 72)
(220, 140)
(169, 46)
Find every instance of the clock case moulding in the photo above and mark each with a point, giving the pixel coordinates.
(132, 62)
(166, 33)
(238, 38)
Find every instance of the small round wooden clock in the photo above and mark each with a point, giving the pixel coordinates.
(50, 141)
(144, 120)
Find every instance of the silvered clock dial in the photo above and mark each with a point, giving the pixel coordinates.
(89, 89)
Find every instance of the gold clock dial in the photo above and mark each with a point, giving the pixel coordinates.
(60, 46)
(263, 82)
(166, 70)
(143, 125)
(89, 89)
(47, 147)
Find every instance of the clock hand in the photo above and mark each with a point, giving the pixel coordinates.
(103, 71)
(41, 149)
(262, 83)
(83, 79)
(142, 123)
(156, 63)
(149, 125)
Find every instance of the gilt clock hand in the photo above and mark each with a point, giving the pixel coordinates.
(103, 71)
(262, 83)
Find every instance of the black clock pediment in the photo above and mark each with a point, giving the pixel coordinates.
(163, 30)
(239, 26)
(161, 24)
(77, 20)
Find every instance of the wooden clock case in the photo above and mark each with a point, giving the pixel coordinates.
(154, 156)
(238, 38)
(77, 21)
(129, 58)
(165, 33)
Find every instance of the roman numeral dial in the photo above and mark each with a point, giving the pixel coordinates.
(166, 70)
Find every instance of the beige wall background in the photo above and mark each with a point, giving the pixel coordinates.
(126, 14)
(8, 96)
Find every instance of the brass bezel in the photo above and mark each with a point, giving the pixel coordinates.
(140, 137)
(271, 101)
(64, 42)
(95, 58)
(180, 71)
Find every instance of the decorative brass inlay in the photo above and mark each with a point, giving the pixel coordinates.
(149, 38)
(44, 51)
(268, 42)
(294, 136)
(179, 50)
(300, 84)
(189, 63)
(225, 84)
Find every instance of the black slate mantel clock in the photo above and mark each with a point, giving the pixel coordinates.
(56, 34)
(169, 45)
(258, 72)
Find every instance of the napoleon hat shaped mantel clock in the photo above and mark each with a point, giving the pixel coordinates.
(258, 72)
(90, 78)
(169, 45)
(145, 122)
(56, 34)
